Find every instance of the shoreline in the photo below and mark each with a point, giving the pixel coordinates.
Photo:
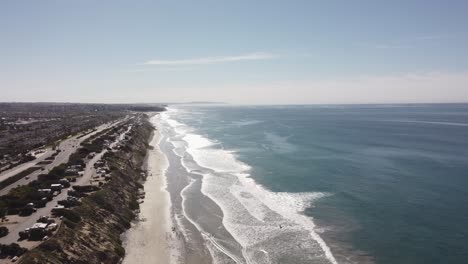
(150, 239)
(231, 214)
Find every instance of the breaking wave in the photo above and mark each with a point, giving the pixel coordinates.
(270, 226)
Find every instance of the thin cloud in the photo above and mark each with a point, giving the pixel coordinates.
(213, 60)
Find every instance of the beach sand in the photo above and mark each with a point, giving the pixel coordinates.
(150, 240)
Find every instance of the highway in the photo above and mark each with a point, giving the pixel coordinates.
(69, 146)
(24, 166)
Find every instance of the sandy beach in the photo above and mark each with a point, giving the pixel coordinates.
(149, 239)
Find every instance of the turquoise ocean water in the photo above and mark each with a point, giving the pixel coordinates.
(378, 183)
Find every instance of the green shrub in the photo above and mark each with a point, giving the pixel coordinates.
(12, 249)
(72, 216)
(3, 231)
(120, 251)
(51, 245)
(134, 205)
(69, 223)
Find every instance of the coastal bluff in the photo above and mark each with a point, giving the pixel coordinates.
(91, 232)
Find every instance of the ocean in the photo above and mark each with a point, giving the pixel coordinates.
(319, 184)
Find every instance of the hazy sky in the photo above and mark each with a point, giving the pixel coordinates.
(253, 52)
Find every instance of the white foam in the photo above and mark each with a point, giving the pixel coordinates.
(290, 206)
(179, 147)
(211, 158)
(213, 243)
(252, 214)
(197, 141)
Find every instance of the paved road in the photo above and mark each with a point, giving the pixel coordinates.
(89, 171)
(25, 222)
(15, 170)
(67, 147)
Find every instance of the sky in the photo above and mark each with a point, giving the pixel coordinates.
(240, 52)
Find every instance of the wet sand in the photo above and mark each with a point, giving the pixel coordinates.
(150, 240)
(192, 248)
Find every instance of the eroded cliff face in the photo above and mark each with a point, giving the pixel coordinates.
(90, 233)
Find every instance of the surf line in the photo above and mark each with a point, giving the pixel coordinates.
(205, 234)
(301, 221)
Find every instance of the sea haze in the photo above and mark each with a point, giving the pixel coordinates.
(324, 184)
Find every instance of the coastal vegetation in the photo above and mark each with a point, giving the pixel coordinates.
(90, 232)
(16, 201)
